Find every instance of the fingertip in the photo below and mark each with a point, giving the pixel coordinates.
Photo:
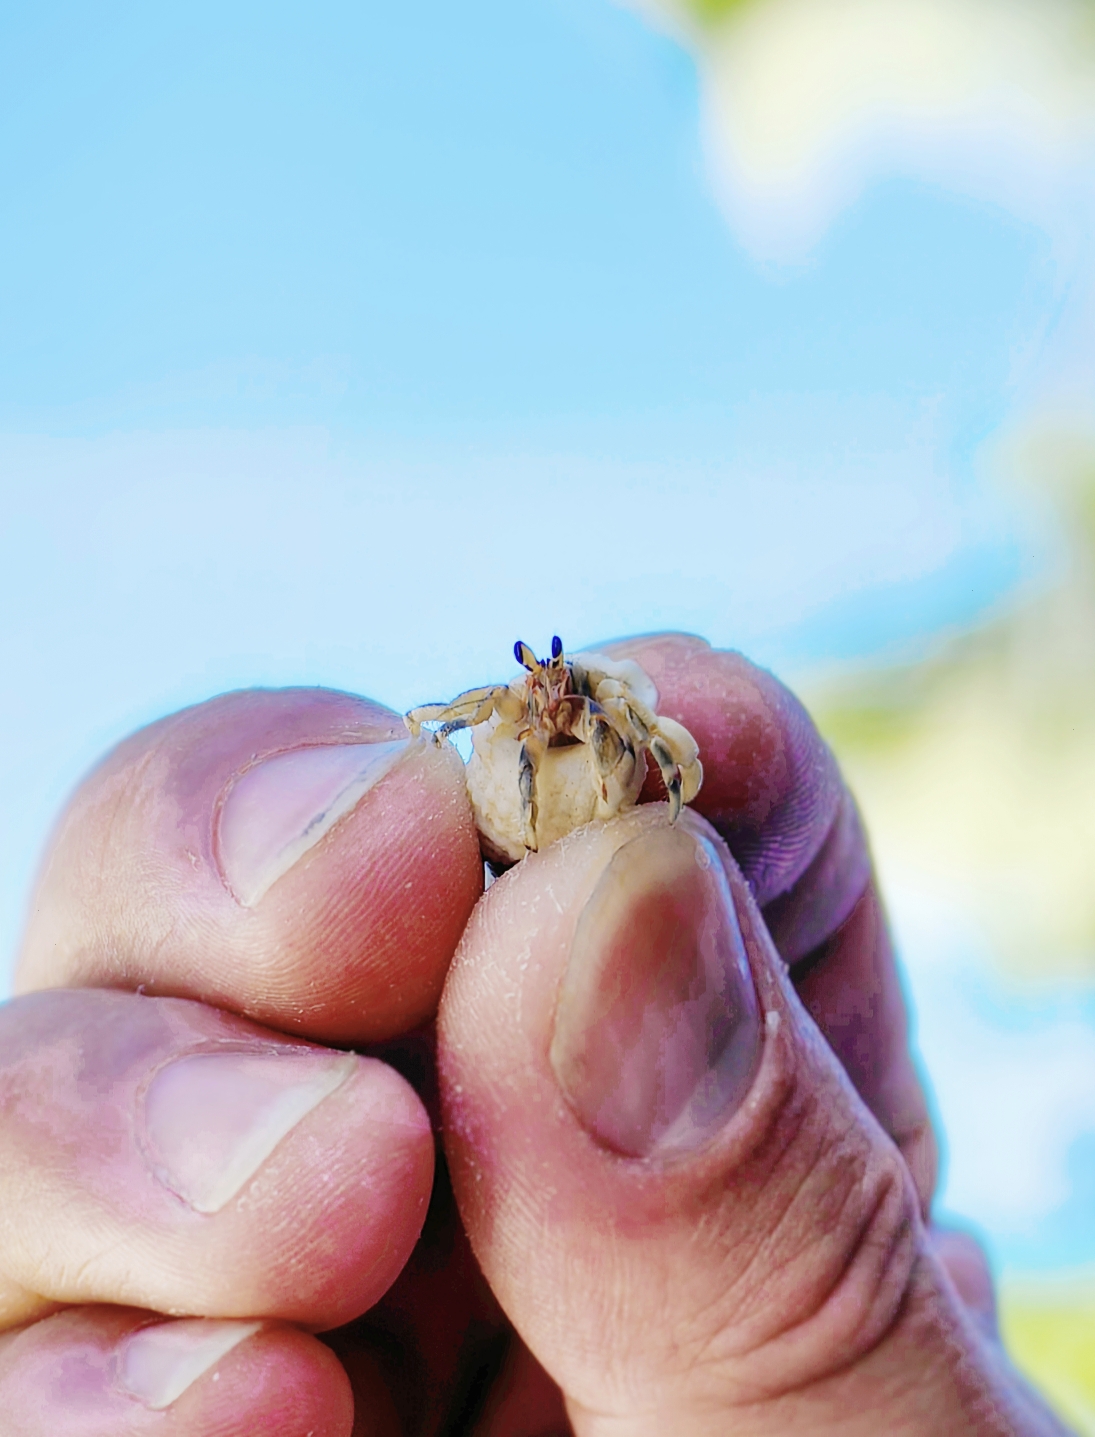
(384, 900)
(660, 652)
(111, 1372)
(803, 918)
(772, 790)
(285, 854)
(180, 1158)
(287, 1383)
(770, 785)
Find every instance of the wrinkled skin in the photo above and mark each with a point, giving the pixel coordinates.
(473, 1257)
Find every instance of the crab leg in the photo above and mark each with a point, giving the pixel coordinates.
(670, 771)
(526, 784)
(648, 730)
(467, 709)
(608, 745)
(673, 741)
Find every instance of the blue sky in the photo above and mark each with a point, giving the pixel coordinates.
(486, 221)
(340, 343)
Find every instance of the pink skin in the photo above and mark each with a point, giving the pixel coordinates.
(115, 1231)
(773, 1273)
(131, 894)
(773, 793)
(730, 1316)
(60, 1376)
(770, 786)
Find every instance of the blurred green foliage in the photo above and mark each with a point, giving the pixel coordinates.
(975, 763)
(710, 12)
(1052, 1338)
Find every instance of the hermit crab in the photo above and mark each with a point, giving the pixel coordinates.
(563, 744)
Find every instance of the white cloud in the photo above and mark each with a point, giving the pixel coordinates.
(806, 102)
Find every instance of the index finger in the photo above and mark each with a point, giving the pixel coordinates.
(285, 854)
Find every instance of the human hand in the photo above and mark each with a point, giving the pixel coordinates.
(264, 865)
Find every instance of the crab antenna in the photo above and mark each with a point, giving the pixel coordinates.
(525, 656)
(556, 648)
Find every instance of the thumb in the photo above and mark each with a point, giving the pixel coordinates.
(688, 1213)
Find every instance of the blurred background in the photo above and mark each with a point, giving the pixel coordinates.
(344, 344)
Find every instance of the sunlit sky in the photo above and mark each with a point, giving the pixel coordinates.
(343, 343)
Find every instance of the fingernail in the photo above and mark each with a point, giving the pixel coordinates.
(657, 1033)
(275, 812)
(210, 1120)
(157, 1364)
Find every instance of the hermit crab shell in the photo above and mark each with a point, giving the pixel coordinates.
(567, 791)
